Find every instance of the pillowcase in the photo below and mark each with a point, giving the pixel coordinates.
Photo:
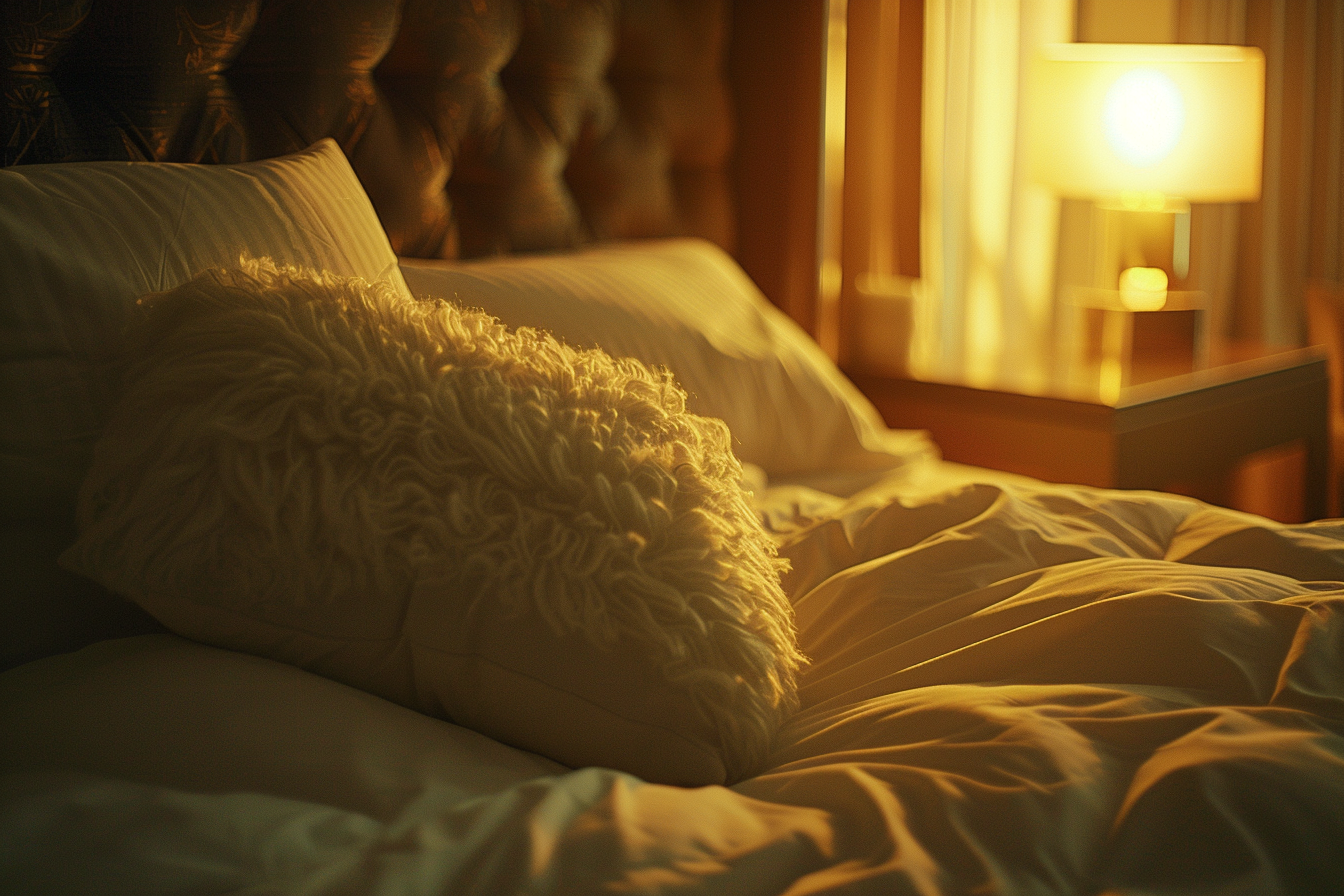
(684, 304)
(485, 525)
(162, 710)
(79, 244)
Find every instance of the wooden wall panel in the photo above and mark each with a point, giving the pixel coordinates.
(776, 59)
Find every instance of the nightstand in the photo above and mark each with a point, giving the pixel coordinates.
(1164, 434)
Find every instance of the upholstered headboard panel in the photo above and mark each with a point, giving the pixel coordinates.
(476, 126)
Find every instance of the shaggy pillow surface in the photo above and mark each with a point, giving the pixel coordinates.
(482, 524)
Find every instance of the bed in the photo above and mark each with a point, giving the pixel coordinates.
(710, 625)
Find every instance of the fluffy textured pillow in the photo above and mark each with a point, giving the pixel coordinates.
(483, 524)
(79, 244)
(684, 304)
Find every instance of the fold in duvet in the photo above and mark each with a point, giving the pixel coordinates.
(1012, 689)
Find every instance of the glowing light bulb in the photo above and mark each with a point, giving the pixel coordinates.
(1144, 116)
(1143, 289)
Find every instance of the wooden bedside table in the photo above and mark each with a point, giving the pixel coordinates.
(1191, 428)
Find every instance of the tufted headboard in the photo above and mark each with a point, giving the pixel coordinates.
(477, 127)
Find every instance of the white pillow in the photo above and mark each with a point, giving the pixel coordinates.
(685, 304)
(163, 710)
(79, 244)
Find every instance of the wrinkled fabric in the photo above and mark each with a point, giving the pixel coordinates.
(1013, 688)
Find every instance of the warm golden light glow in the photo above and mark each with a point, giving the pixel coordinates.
(1144, 115)
(1143, 289)
(1184, 120)
(1142, 128)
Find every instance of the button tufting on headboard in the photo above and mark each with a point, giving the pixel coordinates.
(476, 126)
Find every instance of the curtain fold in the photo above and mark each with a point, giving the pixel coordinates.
(1292, 236)
(985, 314)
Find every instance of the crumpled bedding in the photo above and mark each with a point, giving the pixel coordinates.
(1014, 688)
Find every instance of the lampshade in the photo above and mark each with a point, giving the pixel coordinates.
(1182, 120)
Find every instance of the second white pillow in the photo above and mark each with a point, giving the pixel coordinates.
(686, 305)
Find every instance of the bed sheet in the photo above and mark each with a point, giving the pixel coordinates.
(1014, 688)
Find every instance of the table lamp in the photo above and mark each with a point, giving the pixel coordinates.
(1144, 127)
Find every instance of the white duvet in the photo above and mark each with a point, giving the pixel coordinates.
(1014, 688)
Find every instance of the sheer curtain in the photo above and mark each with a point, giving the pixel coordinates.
(1293, 235)
(1255, 259)
(985, 313)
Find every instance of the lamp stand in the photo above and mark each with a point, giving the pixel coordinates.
(1108, 356)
